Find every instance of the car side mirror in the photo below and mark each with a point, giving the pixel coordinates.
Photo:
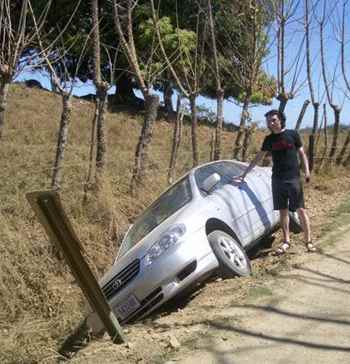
(210, 182)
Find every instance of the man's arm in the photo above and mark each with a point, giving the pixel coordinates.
(252, 164)
(305, 163)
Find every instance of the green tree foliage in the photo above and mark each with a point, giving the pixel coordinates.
(242, 45)
(235, 31)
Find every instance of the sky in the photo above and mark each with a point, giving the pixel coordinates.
(295, 46)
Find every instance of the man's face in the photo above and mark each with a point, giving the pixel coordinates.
(274, 123)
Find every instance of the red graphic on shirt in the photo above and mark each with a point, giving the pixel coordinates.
(282, 144)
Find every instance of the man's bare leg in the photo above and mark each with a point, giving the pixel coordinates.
(305, 223)
(284, 218)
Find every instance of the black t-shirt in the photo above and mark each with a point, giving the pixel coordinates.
(283, 147)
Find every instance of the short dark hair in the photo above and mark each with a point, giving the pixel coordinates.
(280, 115)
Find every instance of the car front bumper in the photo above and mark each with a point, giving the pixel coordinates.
(187, 262)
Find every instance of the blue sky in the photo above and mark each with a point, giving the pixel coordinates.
(294, 38)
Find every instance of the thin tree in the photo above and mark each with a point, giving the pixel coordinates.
(302, 114)
(346, 162)
(344, 148)
(64, 84)
(212, 144)
(329, 92)
(246, 68)
(123, 22)
(98, 145)
(325, 137)
(219, 89)
(16, 34)
(187, 68)
(249, 132)
(315, 103)
(285, 12)
(180, 112)
(101, 95)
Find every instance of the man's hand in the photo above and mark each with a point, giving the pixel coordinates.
(307, 177)
(238, 179)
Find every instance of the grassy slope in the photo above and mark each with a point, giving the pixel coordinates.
(39, 300)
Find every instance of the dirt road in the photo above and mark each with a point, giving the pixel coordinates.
(303, 317)
(298, 314)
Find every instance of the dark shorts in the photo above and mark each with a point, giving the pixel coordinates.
(287, 194)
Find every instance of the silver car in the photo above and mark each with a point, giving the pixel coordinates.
(201, 224)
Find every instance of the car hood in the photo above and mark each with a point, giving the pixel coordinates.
(191, 212)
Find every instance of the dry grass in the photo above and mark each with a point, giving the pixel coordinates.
(40, 302)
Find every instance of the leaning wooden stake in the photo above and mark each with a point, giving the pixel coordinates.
(48, 208)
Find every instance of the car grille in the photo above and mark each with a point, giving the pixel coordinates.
(118, 282)
(147, 304)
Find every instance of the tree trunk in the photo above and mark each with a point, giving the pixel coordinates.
(62, 141)
(4, 87)
(212, 146)
(141, 154)
(101, 96)
(311, 152)
(283, 99)
(342, 153)
(194, 130)
(346, 163)
(324, 153)
(219, 123)
(176, 140)
(311, 149)
(101, 105)
(219, 89)
(242, 124)
(302, 114)
(88, 181)
(316, 106)
(167, 94)
(247, 138)
(335, 132)
(124, 93)
(53, 84)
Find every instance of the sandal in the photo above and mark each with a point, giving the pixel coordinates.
(310, 247)
(282, 249)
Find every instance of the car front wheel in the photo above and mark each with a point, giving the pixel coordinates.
(231, 256)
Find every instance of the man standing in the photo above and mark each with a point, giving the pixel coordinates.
(285, 146)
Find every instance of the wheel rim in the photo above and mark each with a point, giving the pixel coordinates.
(233, 253)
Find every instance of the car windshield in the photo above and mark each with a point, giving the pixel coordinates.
(166, 205)
(227, 170)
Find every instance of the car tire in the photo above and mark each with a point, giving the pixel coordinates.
(294, 223)
(232, 258)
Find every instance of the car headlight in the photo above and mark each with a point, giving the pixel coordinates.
(169, 238)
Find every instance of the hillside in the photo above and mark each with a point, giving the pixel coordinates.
(40, 303)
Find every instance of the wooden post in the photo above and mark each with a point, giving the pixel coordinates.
(49, 210)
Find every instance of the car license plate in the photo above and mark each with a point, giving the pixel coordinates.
(127, 307)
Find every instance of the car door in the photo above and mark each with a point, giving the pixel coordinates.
(264, 175)
(258, 189)
(246, 197)
(233, 204)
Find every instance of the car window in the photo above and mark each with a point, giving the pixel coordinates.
(226, 170)
(166, 205)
